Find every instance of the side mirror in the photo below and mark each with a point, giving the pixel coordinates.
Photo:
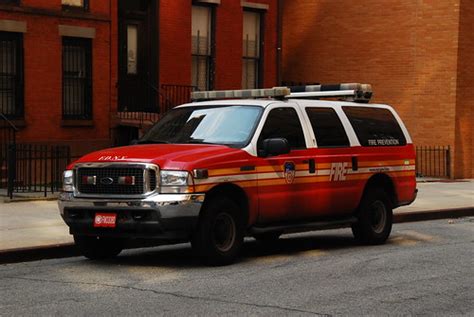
(274, 147)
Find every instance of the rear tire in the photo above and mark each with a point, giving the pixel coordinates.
(220, 232)
(375, 218)
(99, 248)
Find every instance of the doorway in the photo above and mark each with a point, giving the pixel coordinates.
(137, 56)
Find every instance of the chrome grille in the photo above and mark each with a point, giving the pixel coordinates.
(114, 188)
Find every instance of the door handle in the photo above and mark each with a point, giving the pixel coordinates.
(312, 166)
(355, 163)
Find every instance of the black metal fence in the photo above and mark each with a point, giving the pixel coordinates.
(170, 96)
(7, 140)
(36, 168)
(433, 161)
(174, 95)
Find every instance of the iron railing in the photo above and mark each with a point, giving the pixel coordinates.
(174, 95)
(170, 96)
(8, 140)
(433, 161)
(36, 168)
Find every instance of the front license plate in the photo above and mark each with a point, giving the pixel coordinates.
(107, 220)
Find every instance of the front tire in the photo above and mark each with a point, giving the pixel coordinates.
(375, 218)
(99, 248)
(220, 232)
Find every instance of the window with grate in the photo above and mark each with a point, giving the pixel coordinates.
(252, 39)
(77, 78)
(75, 4)
(202, 47)
(9, 1)
(11, 74)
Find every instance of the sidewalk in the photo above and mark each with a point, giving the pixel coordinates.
(33, 226)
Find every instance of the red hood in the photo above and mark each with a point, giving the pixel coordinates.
(167, 156)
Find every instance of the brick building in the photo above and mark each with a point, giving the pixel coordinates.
(418, 55)
(90, 73)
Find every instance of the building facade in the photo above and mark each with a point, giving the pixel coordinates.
(92, 73)
(418, 56)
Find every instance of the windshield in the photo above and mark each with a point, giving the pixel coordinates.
(226, 125)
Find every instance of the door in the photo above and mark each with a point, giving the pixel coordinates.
(335, 188)
(137, 86)
(281, 194)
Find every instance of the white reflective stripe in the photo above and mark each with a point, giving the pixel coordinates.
(227, 178)
(300, 173)
(374, 169)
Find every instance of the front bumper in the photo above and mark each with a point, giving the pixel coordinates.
(167, 217)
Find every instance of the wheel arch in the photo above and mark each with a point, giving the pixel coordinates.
(234, 192)
(385, 182)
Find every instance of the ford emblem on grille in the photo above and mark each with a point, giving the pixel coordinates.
(106, 180)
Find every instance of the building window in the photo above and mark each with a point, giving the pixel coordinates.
(11, 74)
(77, 78)
(202, 47)
(73, 4)
(252, 39)
(9, 1)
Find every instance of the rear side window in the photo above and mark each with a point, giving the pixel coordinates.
(283, 123)
(375, 126)
(327, 127)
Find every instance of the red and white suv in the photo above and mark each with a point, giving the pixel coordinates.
(214, 171)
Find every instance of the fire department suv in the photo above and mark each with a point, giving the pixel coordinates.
(242, 163)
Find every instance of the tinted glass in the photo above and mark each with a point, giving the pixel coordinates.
(327, 127)
(283, 123)
(375, 126)
(229, 125)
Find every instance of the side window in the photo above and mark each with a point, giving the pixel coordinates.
(375, 126)
(327, 127)
(283, 123)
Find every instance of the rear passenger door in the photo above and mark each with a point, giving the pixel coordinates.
(332, 188)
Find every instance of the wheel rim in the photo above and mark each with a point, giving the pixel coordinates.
(378, 216)
(224, 232)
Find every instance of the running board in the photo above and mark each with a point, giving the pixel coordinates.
(306, 226)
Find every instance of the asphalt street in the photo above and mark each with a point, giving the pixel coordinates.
(426, 268)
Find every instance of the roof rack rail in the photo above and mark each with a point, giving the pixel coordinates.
(350, 92)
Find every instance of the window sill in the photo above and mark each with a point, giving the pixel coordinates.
(68, 8)
(18, 123)
(77, 123)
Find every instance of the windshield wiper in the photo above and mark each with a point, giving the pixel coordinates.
(153, 142)
(197, 141)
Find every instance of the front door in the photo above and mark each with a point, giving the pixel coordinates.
(137, 85)
(281, 194)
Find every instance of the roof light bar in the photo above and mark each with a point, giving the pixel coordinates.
(351, 91)
(275, 92)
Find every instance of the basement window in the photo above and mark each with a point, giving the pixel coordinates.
(82, 5)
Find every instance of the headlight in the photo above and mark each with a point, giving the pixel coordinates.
(174, 182)
(68, 181)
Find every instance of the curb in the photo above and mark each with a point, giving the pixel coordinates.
(7, 200)
(433, 214)
(54, 251)
(67, 250)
